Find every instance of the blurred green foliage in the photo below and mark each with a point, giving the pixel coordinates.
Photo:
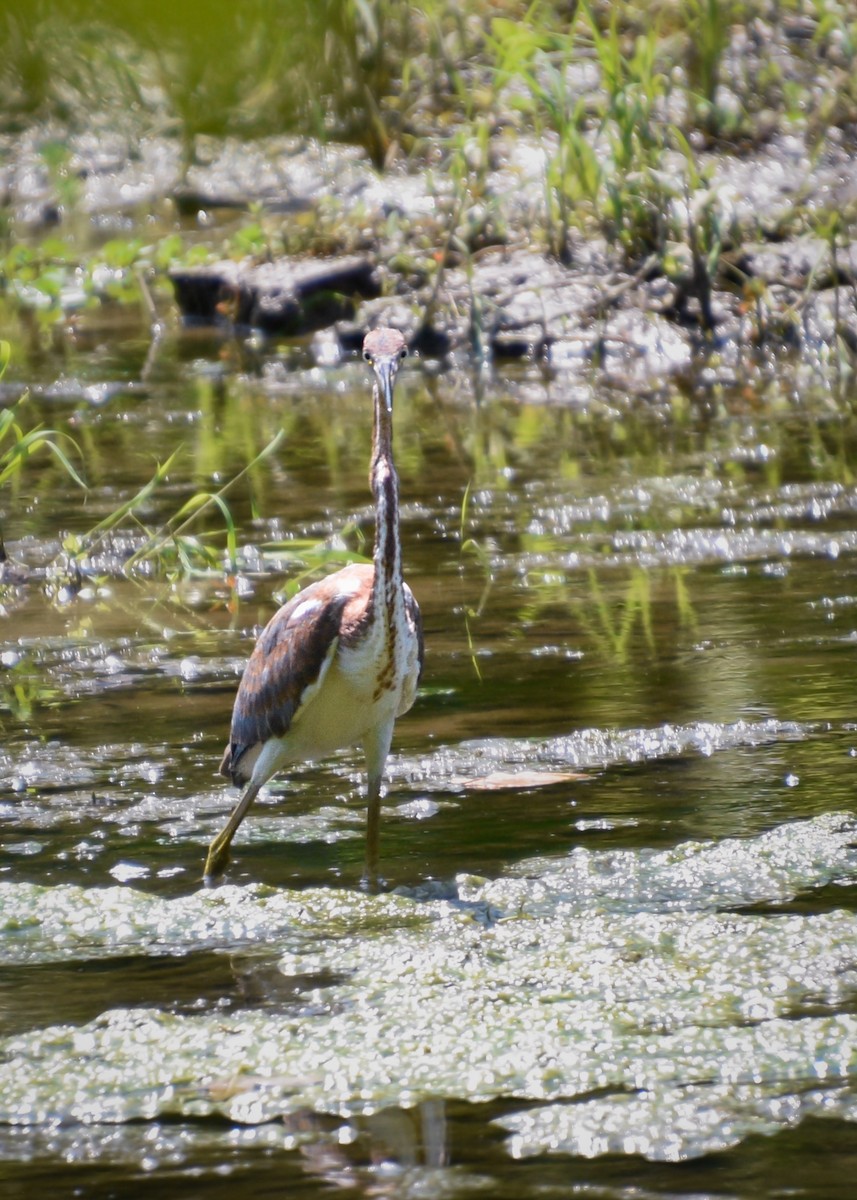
(206, 66)
(387, 72)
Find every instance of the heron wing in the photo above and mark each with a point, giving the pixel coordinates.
(288, 664)
(415, 616)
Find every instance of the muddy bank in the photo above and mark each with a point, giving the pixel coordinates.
(770, 293)
(632, 198)
(411, 248)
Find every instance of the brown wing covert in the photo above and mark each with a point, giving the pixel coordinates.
(286, 660)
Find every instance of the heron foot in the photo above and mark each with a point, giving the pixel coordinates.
(218, 852)
(372, 883)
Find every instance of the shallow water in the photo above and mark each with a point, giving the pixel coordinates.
(616, 956)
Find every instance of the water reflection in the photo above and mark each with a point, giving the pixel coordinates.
(394, 1152)
(397, 1152)
(640, 627)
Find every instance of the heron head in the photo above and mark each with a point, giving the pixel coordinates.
(384, 349)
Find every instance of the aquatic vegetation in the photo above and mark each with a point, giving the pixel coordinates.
(56, 279)
(649, 1017)
(19, 441)
(156, 546)
(471, 546)
(124, 541)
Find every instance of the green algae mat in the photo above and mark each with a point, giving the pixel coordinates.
(659, 1003)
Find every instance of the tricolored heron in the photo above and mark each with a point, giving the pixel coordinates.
(341, 661)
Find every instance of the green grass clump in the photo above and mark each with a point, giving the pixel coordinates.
(19, 444)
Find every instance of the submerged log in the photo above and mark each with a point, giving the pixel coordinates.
(283, 297)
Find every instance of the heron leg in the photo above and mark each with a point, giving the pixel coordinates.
(376, 747)
(218, 851)
(370, 881)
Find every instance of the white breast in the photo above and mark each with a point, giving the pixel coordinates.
(345, 704)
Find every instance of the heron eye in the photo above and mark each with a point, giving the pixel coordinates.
(367, 356)
(403, 353)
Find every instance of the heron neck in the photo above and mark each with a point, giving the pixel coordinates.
(387, 554)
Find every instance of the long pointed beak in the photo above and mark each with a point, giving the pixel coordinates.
(385, 372)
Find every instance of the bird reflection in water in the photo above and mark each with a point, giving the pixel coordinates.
(385, 1146)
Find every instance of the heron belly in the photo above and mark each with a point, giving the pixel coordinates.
(338, 714)
(356, 697)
